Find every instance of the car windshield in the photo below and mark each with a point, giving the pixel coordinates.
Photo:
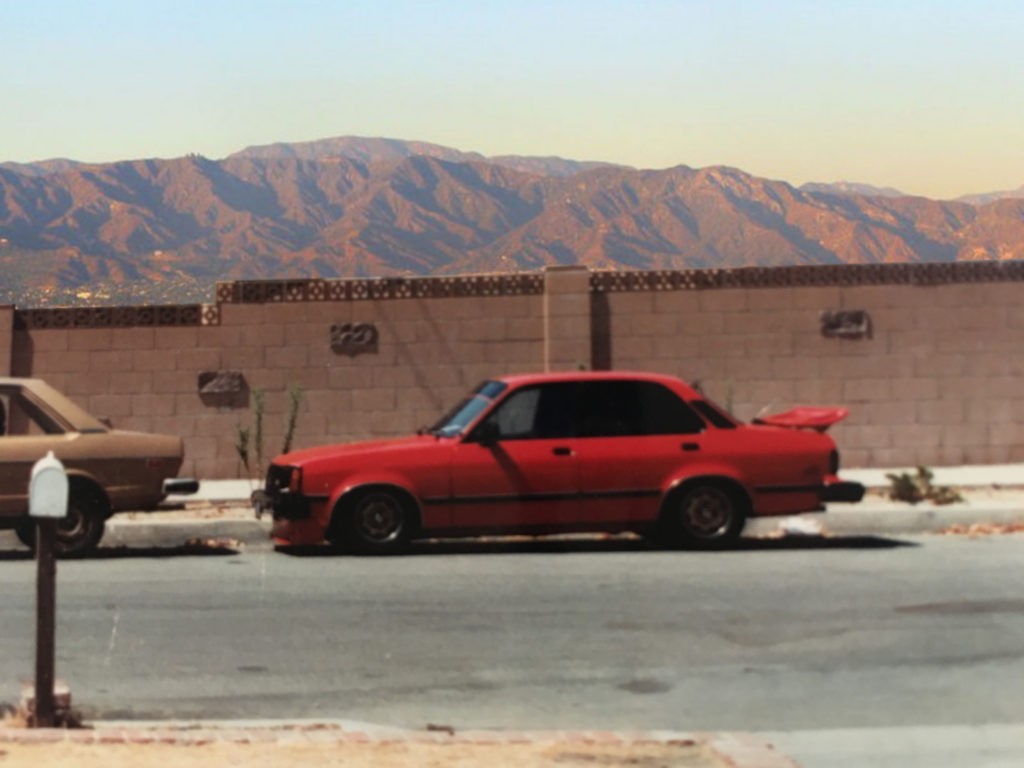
(463, 414)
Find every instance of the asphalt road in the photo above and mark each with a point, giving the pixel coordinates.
(844, 633)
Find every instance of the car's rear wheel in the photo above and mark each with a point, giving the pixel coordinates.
(377, 521)
(703, 516)
(80, 530)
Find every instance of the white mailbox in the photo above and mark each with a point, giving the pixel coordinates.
(48, 488)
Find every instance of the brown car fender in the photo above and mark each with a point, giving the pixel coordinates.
(80, 481)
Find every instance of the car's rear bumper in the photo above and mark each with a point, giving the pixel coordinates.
(842, 491)
(180, 486)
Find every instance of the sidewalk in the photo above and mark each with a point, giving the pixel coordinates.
(285, 745)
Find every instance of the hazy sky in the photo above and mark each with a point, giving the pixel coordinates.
(923, 95)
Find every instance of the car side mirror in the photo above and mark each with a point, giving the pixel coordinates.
(488, 434)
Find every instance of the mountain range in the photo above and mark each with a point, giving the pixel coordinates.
(166, 230)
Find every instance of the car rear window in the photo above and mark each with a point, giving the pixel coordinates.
(714, 416)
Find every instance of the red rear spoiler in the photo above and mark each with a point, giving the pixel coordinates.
(805, 417)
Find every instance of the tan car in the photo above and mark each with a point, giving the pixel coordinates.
(108, 470)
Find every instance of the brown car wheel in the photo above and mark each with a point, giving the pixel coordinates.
(76, 533)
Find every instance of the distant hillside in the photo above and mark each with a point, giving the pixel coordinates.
(991, 197)
(41, 168)
(370, 150)
(364, 207)
(852, 188)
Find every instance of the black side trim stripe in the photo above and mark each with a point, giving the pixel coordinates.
(530, 498)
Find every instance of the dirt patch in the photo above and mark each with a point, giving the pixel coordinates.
(982, 529)
(355, 755)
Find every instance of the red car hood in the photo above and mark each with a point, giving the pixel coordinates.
(362, 449)
(805, 417)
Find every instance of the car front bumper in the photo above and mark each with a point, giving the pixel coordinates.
(283, 506)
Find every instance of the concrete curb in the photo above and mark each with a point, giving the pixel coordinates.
(154, 532)
(919, 519)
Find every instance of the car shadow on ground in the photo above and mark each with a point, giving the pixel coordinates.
(124, 552)
(542, 546)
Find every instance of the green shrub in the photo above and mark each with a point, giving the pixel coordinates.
(919, 487)
(249, 440)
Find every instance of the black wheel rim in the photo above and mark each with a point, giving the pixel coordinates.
(707, 513)
(73, 526)
(379, 519)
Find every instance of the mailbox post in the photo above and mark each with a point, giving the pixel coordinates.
(47, 503)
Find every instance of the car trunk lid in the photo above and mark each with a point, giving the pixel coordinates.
(818, 418)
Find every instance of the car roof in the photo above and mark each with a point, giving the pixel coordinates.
(520, 379)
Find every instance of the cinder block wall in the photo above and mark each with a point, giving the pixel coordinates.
(430, 351)
(935, 381)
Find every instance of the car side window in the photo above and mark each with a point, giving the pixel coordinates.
(623, 408)
(609, 409)
(665, 413)
(516, 416)
(542, 412)
(20, 416)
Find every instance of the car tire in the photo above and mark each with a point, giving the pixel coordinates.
(78, 532)
(703, 516)
(26, 533)
(377, 521)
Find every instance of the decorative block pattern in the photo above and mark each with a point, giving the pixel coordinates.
(379, 289)
(116, 317)
(809, 276)
(517, 284)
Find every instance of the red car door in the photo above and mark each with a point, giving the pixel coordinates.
(518, 469)
(633, 436)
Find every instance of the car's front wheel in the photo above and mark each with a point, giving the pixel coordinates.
(376, 521)
(79, 531)
(703, 516)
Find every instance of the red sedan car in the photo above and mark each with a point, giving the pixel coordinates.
(557, 453)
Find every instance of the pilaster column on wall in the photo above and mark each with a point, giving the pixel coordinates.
(6, 338)
(567, 332)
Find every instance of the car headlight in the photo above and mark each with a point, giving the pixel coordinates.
(284, 479)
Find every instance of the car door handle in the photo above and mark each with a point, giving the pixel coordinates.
(690, 446)
(562, 451)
